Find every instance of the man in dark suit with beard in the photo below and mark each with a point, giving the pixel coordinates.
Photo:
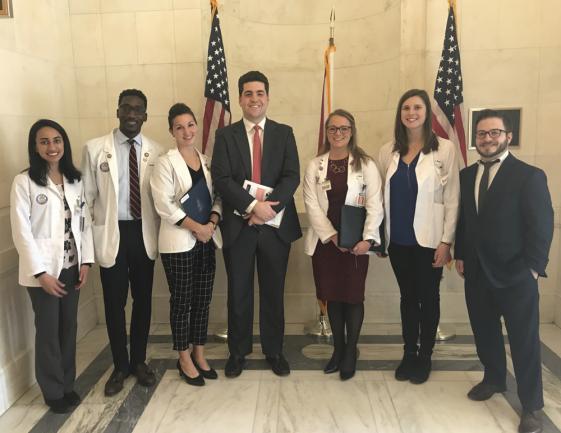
(504, 234)
(263, 151)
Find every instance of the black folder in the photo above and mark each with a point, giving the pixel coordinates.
(352, 226)
(197, 203)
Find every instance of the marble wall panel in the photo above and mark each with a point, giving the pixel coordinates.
(155, 37)
(188, 36)
(119, 35)
(87, 40)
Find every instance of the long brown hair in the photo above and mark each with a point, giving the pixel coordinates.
(430, 141)
(359, 155)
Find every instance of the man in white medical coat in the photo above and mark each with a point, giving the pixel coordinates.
(116, 172)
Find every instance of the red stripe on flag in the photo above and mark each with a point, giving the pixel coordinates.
(459, 127)
(207, 121)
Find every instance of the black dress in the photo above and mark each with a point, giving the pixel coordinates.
(338, 276)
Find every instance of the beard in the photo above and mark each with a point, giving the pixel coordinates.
(501, 147)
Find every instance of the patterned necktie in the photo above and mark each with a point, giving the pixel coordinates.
(134, 193)
(256, 169)
(484, 183)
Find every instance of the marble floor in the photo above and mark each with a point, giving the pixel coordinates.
(307, 401)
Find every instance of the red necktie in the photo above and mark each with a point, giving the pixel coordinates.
(256, 170)
(134, 194)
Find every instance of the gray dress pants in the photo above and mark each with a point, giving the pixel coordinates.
(55, 336)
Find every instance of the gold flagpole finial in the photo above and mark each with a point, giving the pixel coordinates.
(214, 6)
(452, 4)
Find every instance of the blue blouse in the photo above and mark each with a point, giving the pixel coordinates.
(403, 199)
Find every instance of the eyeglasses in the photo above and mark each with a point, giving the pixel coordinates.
(344, 130)
(126, 108)
(493, 133)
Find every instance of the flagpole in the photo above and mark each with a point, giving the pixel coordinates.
(320, 327)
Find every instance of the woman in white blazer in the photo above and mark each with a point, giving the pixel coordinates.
(52, 234)
(186, 246)
(421, 200)
(342, 174)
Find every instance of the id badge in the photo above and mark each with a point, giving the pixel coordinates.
(326, 185)
(361, 197)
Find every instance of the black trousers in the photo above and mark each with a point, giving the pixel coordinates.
(519, 305)
(419, 286)
(263, 244)
(190, 276)
(55, 336)
(132, 265)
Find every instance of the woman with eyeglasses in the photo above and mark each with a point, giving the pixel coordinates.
(52, 234)
(342, 173)
(187, 242)
(421, 200)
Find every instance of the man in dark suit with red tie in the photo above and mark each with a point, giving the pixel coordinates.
(263, 151)
(504, 234)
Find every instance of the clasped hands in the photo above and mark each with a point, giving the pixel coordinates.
(262, 212)
(361, 247)
(53, 286)
(204, 232)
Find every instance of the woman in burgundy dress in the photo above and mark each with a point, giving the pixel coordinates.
(342, 173)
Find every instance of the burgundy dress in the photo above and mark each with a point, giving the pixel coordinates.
(338, 276)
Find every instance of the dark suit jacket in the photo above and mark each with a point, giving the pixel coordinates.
(513, 231)
(280, 170)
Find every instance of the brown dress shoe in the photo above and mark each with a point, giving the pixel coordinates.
(530, 422)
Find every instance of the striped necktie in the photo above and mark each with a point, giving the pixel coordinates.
(256, 169)
(134, 193)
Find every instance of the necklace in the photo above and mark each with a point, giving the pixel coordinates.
(338, 169)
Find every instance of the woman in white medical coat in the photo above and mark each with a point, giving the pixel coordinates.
(187, 247)
(341, 175)
(52, 234)
(421, 200)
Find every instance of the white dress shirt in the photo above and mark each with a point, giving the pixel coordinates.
(492, 173)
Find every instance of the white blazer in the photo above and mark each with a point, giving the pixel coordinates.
(366, 180)
(170, 181)
(37, 218)
(101, 186)
(438, 196)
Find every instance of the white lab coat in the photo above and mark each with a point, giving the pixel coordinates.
(366, 180)
(438, 196)
(37, 220)
(101, 186)
(170, 181)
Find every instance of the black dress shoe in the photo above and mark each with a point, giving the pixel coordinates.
(421, 370)
(58, 405)
(114, 384)
(333, 365)
(530, 422)
(234, 366)
(195, 381)
(207, 374)
(72, 398)
(279, 364)
(484, 391)
(144, 375)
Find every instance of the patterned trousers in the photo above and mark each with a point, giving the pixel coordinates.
(190, 276)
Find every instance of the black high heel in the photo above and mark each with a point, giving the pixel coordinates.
(348, 367)
(333, 365)
(195, 381)
(207, 374)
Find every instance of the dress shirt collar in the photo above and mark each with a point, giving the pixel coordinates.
(121, 138)
(248, 124)
(501, 158)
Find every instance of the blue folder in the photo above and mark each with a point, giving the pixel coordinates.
(197, 203)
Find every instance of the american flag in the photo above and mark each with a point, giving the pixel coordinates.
(217, 107)
(447, 111)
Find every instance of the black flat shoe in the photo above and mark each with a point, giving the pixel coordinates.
(234, 366)
(333, 365)
(115, 383)
(207, 374)
(348, 364)
(421, 370)
(195, 381)
(279, 364)
(405, 368)
(484, 391)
